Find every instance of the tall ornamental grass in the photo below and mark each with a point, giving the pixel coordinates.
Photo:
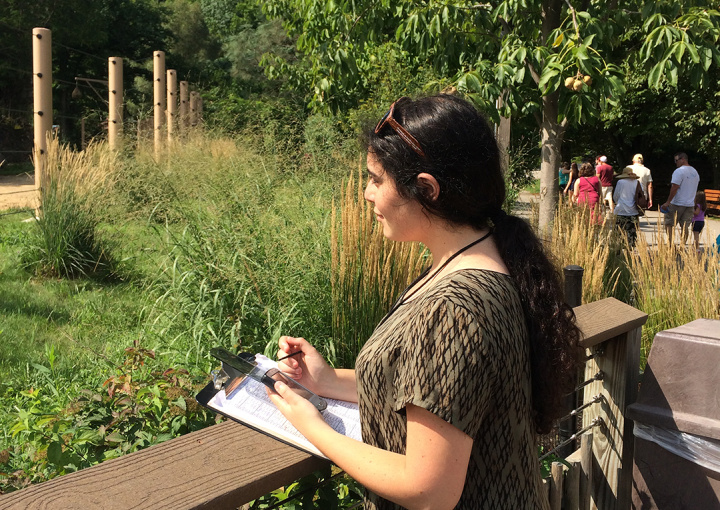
(575, 240)
(67, 242)
(247, 252)
(368, 271)
(674, 285)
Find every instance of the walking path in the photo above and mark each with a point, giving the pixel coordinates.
(650, 224)
(17, 191)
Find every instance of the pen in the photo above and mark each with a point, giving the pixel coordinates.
(289, 355)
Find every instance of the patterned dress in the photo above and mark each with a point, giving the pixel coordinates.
(460, 351)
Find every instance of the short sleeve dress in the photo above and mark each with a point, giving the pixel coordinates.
(461, 351)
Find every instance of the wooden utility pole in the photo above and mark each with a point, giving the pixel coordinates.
(159, 91)
(115, 102)
(193, 108)
(42, 102)
(172, 103)
(184, 106)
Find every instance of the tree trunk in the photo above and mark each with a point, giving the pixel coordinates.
(502, 134)
(551, 132)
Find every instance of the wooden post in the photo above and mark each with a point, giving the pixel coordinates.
(171, 103)
(619, 363)
(82, 133)
(115, 102)
(42, 104)
(199, 108)
(184, 106)
(159, 90)
(573, 297)
(572, 486)
(193, 108)
(556, 487)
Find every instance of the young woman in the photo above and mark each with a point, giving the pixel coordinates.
(475, 356)
(587, 191)
(574, 174)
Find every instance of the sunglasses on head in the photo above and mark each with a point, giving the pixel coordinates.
(389, 120)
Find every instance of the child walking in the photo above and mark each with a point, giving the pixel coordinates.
(698, 221)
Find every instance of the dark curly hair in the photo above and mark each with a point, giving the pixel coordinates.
(460, 151)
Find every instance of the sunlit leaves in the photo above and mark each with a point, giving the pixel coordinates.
(678, 45)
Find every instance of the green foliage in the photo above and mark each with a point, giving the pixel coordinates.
(523, 159)
(319, 490)
(66, 242)
(55, 436)
(192, 43)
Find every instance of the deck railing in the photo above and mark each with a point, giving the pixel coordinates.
(228, 465)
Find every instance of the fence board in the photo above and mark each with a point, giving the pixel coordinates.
(613, 442)
(220, 467)
(571, 499)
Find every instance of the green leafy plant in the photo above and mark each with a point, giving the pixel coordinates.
(136, 408)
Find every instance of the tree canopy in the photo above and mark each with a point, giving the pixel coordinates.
(558, 61)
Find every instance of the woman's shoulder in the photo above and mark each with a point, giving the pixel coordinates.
(469, 286)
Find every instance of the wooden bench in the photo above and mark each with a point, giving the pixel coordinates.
(713, 201)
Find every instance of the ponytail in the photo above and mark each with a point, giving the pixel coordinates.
(554, 336)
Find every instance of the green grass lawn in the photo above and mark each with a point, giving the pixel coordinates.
(533, 187)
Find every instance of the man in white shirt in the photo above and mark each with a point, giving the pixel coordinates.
(681, 201)
(645, 178)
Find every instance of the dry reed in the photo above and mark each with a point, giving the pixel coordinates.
(673, 284)
(574, 239)
(87, 173)
(368, 271)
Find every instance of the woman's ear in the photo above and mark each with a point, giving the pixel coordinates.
(429, 185)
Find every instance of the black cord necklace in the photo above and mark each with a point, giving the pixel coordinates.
(405, 296)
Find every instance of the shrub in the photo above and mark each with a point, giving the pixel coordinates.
(67, 242)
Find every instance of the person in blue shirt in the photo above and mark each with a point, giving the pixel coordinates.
(563, 175)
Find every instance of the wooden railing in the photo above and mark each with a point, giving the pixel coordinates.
(600, 471)
(227, 465)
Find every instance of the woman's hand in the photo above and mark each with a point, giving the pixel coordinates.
(309, 368)
(298, 410)
(312, 371)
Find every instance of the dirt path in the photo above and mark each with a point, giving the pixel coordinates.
(17, 191)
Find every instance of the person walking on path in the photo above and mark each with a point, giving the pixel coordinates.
(564, 175)
(570, 187)
(698, 221)
(587, 191)
(680, 205)
(605, 175)
(644, 178)
(626, 211)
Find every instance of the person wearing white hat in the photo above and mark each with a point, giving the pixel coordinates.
(604, 173)
(644, 177)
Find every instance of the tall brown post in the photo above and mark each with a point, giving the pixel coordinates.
(172, 103)
(193, 108)
(115, 102)
(184, 105)
(199, 109)
(42, 100)
(159, 89)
